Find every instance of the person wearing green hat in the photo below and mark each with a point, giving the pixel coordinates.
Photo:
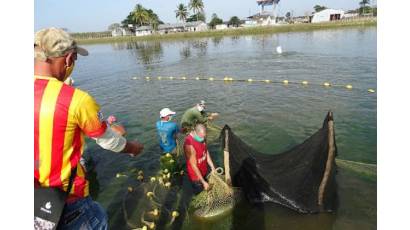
(196, 115)
(63, 115)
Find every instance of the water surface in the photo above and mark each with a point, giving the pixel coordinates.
(269, 117)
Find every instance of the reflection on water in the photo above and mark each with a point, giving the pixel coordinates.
(185, 51)
(146, 52)
(201, 46)
(269, 117)
(216, 41)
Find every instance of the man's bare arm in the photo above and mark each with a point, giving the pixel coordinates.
(191, 154)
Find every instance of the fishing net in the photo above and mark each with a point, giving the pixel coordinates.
(218, 199)
(159, 201)
(302, 178)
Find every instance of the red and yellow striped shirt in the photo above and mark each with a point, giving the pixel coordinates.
(62, 115)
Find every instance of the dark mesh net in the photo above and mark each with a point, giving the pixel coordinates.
(302, 178)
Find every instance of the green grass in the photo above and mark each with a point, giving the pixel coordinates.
(232, 32)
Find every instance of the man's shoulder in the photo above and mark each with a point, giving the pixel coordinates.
(81, 93)
(160, 124)
(172, 125)
(188, 138)
(166, 125)
(83, 98)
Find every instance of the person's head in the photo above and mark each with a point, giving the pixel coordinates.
(199, 132)
(55, 53)
(166, 114)
(201, 106)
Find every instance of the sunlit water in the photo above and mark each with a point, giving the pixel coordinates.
(269, 117)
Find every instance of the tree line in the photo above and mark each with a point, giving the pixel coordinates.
(141, 16)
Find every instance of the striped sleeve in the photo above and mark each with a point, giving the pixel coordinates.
(89, 117)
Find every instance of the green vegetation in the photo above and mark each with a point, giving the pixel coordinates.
(197, 6)
(367, 10)
(319, 8)
(215, 21)
(234, 21)
(230, 32)
(114, 26)
(142, 17)
(181, 12)
(196, 17)
(364, 3)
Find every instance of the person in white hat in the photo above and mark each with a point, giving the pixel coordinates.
(167, 131)
(196, 115)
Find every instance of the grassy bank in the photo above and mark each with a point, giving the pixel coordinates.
(234, 32)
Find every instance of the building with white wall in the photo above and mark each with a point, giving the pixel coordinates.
(327, 15)
(221, 27)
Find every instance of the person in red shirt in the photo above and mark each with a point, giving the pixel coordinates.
(198, 158)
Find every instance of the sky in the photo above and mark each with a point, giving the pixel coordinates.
(97, 15)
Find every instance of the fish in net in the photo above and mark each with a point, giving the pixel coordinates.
(155, 203)
(220, 198)
(158, 201)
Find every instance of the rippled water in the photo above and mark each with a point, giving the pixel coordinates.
(270, 117)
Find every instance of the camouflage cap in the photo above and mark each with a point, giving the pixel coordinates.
(54, 42)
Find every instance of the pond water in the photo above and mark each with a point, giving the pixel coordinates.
(269, 117)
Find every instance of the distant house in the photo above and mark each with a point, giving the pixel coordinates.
(196, 26)
(221, 27)
(126, 32)
(116, 32)
(260, 19)
(327, 15)
(172, 28)
(120, 32)
(301, 19)
(143, 31)
(351, 14)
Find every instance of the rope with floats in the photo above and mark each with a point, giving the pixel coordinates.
(250, 80)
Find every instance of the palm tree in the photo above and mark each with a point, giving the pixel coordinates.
(363, 4)
(181, 12)
(197, 6)
(141, 15)
(153, 19)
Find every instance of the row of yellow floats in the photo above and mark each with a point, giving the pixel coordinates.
(230, 79)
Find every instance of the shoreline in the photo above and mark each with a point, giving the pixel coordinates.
(233, 32)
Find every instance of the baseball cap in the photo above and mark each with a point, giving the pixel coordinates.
(54, 42)
(165, 112)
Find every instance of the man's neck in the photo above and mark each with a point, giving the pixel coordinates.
(44, 69)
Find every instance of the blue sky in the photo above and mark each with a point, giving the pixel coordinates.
(97, 15)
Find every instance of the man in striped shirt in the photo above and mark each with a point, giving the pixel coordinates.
(62, 116)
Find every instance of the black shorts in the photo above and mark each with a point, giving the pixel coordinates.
(197, 187)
